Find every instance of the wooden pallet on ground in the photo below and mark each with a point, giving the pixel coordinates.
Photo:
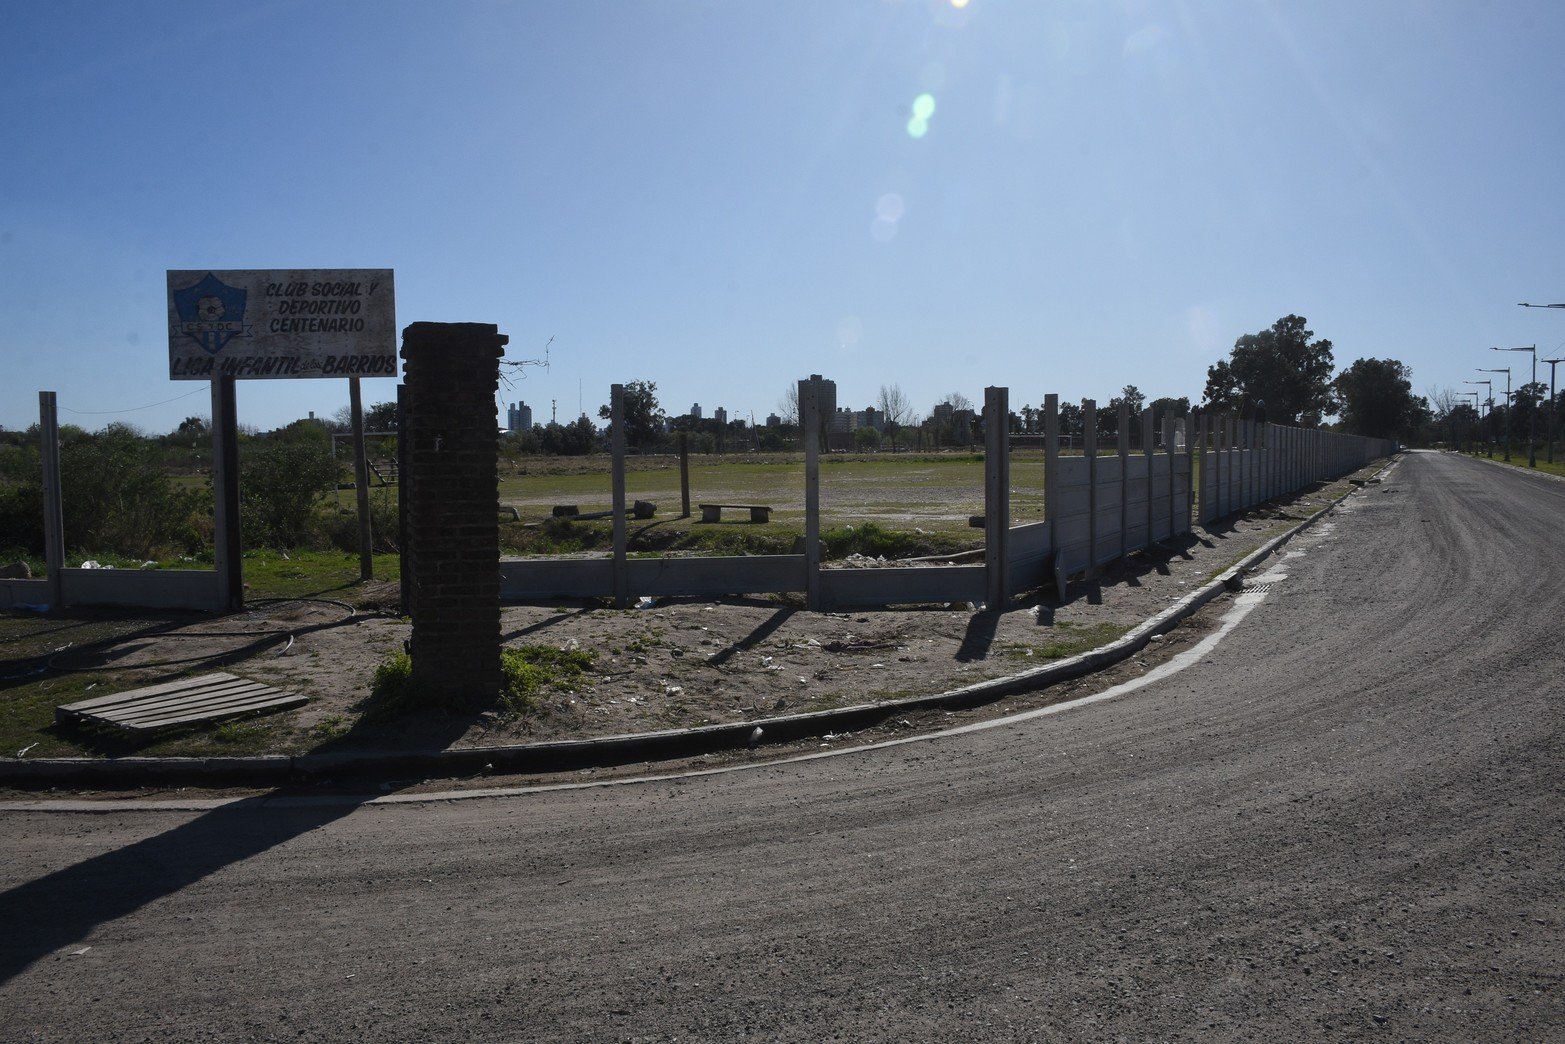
(210, 697)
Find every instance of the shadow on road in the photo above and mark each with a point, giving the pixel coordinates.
(46, 915)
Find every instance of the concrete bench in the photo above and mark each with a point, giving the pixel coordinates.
(714, 512)
(641, 509)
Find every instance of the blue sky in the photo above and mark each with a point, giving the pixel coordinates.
(722, 197)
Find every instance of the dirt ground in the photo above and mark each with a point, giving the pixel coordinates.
(679, 663)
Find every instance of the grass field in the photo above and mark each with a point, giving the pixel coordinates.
(1519, 460)
(924, 495)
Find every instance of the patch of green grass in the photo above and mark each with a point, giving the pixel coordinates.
(1519, 460)
(872, 541)
(1069, 639)
(525, 672)
(238, 732)
(529, 669)
(329, 727)
(305, 574)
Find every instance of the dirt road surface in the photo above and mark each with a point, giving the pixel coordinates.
(1343, 822)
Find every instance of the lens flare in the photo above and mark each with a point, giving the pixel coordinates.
(923, 108)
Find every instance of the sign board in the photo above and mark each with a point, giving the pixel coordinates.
(280, 324)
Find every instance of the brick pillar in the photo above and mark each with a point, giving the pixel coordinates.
(450, 436)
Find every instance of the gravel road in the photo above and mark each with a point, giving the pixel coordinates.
(1342, 823)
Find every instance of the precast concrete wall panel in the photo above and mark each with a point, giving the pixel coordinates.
(568, 578)
(15, 593)
(1136, 502)
(151, 588)
(1181, 521)
(894, 586)
(1029, 554)
(727, 575)
(1106, 524)
(1071, 516)
(1162, 523)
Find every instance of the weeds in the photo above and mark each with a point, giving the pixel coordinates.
(525, 671)
(528, 669)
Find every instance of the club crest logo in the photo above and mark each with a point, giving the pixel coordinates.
(211, 313)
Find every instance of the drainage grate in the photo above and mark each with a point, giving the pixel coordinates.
(1261, 588)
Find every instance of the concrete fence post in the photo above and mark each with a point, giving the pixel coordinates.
(810, 417)
(997, 493)
(1168, 451)
(1051, 484)
(1189, 474)
(1254, 429)
(1204, 511)
(1089, 449)
(1233, 470)
(1220, 465)
(617, 502)
(53, 501)
(684, 474)
(1123, 438)
(1051, 461)
(1146, 453)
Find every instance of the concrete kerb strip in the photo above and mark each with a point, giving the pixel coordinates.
(670, 744)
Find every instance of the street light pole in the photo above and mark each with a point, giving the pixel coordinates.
(1532, 414)
(1508, 411)
(1488, 438)
(1553, 407)
(1477, 415)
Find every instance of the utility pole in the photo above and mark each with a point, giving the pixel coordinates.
(1508, 411)
(1532, 414)
(1487, 437)
(1553, 409)
(1553, 406)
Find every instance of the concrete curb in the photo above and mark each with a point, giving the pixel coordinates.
(567, 755)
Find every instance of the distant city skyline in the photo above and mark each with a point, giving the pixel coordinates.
(724, 197)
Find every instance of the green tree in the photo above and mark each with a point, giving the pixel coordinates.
(116, 495)
(1108, 416)
(282, 479)
(643, 415)
(1377, 399)
(381, 417)
(1070, 418)
(1161, 407)
(866, 439)
(192, 429)
(575, 439)
(1280, 368)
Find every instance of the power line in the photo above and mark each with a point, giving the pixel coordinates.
(133, 409)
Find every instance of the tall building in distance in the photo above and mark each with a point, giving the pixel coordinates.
(519, 417)
(721, 416)
(828, 399)
(695, 411)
